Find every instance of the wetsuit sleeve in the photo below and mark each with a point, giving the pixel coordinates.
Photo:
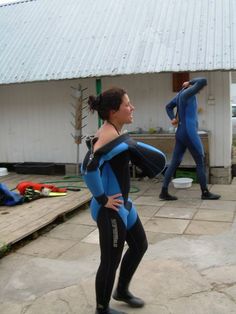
(147, 158)
(196, 85)
(92, 177)
(170, 108)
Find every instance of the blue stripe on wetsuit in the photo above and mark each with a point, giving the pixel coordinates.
(105, 182)
(102, 181)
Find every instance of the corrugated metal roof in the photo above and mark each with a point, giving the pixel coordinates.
(64, 39)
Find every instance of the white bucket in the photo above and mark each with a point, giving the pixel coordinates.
(3, 172)
(182, 183)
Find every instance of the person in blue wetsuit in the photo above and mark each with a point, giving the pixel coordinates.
(187, 137)
(106, 171)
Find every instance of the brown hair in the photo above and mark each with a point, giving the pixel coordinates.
(109, 100)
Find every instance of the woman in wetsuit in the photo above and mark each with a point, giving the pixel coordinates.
(106, 172)
(187, 137)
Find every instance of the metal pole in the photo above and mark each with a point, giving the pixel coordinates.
(77, 161)
(98, 91)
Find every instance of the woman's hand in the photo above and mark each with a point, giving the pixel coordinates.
(113, 202)
(174, 122)
(186, 84)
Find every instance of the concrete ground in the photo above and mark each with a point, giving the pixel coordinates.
(189, 268)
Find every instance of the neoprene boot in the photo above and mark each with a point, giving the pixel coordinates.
(122, 294)
(108, 311)
(207, 195)
(166, 196)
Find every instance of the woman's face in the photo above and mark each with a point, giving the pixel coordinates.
(125, 113)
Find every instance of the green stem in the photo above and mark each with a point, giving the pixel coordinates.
(98, 91)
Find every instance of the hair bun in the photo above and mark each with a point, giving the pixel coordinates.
(94, 102)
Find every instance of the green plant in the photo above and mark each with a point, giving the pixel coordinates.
(4, 249)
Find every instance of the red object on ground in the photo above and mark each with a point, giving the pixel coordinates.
(38, 186)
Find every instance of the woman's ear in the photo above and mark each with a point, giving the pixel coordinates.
(112, 113)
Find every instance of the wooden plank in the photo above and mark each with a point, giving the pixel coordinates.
(25, 219)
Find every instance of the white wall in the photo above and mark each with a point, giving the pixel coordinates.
(35, 122)
(233, 93)
(35, 118)
(149, 94)
(218, 118)
(233, 77)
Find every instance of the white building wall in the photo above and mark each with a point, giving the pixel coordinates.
(233, 77)
(218, 118)
(149, 94)
(35, 118)
(35, 122)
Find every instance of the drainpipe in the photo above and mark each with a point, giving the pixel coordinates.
(98, 91)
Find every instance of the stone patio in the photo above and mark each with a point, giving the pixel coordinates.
(189, 268)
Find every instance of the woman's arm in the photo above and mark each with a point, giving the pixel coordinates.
(193, 87)
(92, 176)
(149, 159)
(170, 108)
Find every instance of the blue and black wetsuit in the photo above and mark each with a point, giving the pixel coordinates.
(187, 131)
(106, 172)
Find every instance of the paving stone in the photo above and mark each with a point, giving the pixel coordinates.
(144, 220)
(83, 218)
(47, 247)
(150, 308)
(230, 291)
(40, 276)
(207, 227)
(153, 191)
(93, 237)
(81, 250)
(184, 203)
(149, 200)
(218, 204)
(188, 194)
(176, 212)
(215, 215)
(147, 211)
(166, 225)
(227, 191)
(64, 301)
(161, 280)
(11, 308)
(201, 251)
(154, 237)
(202, 303)
(223, 275)
(70, 231)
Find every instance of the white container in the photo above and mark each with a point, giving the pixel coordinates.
(3, 172)
(182, 183)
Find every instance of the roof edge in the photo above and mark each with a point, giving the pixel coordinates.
(14, 3)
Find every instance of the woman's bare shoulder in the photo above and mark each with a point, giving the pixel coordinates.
(105, 135)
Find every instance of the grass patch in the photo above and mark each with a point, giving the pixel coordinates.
(186, 173)
(4, 249)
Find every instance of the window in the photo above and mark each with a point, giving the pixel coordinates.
(178, 79)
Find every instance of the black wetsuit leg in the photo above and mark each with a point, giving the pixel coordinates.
(177, 157)
(137, 246)
(112, 235)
